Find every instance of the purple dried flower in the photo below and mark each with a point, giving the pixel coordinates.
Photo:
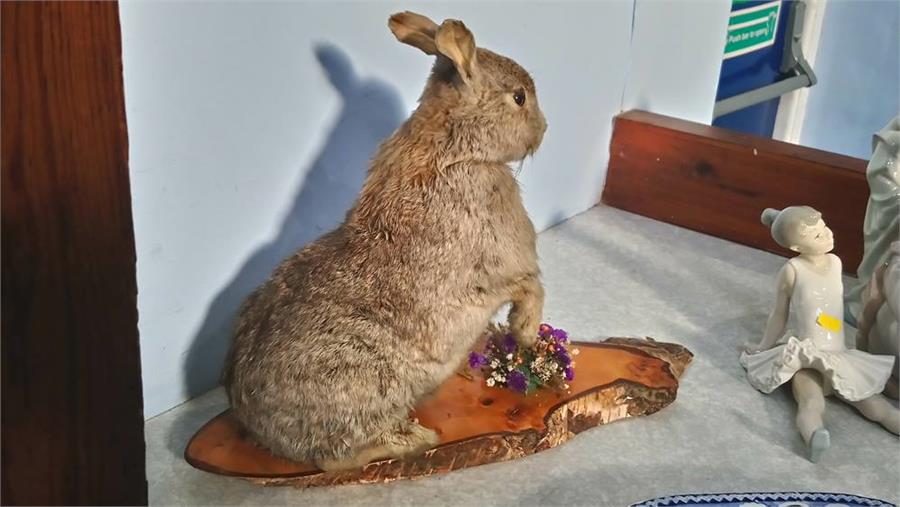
(560, 335)
(477, 360)
(563, 356)
(509, 344)
(544, 330)
(516, 381)
(570, 373)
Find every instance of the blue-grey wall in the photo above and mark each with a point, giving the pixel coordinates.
(858, 65)
(676, 54)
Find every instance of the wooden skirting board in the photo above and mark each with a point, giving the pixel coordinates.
(619, 378)
(717, 181)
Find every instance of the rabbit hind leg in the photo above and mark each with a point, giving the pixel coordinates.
(403, 440)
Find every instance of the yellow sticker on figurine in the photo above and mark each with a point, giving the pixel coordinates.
(828, 322)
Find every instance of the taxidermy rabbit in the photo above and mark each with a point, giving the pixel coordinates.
(349, 333)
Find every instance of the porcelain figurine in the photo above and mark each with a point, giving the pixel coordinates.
(882, 223)
(812, 353)
(878, 331)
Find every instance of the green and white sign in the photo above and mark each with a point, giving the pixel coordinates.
(752, 28)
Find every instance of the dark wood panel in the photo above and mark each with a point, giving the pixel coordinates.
(72, 421)
(718, 182)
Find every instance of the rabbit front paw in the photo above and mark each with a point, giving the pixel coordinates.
(524, 327)
(526, 315)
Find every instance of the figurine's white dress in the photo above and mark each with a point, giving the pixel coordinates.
(815, 340)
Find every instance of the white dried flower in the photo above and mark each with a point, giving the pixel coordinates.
(575, 352)
(495, 363)
(509, 356)
(490, 382)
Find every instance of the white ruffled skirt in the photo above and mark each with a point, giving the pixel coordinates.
(854, 375)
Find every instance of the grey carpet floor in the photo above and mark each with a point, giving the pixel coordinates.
(611, 273)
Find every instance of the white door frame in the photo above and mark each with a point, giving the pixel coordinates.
(792, 106)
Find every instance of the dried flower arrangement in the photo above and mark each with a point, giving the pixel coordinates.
(547, 363)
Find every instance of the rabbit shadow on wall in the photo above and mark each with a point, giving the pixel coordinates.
(371, 110)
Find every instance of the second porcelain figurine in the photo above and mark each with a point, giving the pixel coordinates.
(878, 326)
(814, 357)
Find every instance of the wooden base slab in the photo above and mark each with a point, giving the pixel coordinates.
(619, 378)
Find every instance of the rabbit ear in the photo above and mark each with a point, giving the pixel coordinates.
(456, 42)
(415, 30)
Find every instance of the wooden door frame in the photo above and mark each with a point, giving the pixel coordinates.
(72, 416)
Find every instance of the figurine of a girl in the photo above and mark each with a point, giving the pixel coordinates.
(813, 355)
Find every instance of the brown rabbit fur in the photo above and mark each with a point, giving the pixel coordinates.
(349, 333)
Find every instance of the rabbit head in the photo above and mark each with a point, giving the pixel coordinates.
(484, 104)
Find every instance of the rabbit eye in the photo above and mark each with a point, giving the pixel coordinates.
(519, 96)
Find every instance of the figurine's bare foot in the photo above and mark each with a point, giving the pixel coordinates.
(752, 348)
(809, 391)
(818, 444)
(410, 438)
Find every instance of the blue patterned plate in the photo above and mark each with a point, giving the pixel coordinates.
(791, 499)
